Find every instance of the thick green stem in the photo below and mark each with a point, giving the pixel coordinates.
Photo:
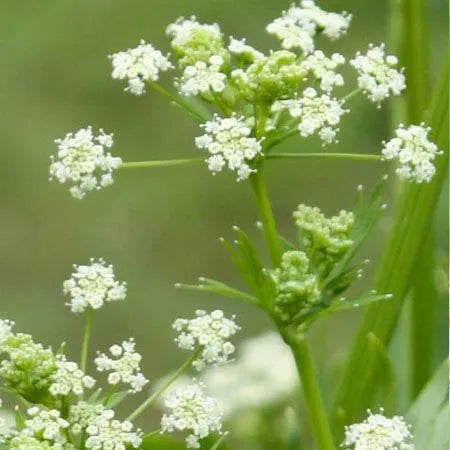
(314, 404)
(265, 210)
(160, 163)
(414, 213)
(344, 156)
(86, 339)
(140, 409)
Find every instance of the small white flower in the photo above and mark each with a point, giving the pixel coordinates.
(82, 414)
(211, 333)
(6, 327)
(377, 74)
(138, 65)
(202, 78)
(228, 141)
(319, 114)
(69, 378)
(380, 433)
(191, 410)
(82, 161)
(414, 153)
(93, 285)
(183, 29)
(124, 366)
(239, 47)
(324, 69)
(106, 433)
(298, 26)
(47, 423)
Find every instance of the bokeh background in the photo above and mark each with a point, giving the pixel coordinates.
(159, 226)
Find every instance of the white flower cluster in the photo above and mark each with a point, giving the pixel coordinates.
(183, 29)
(69, 378)
(264, 374)
(380, 433)
(124, 365)
(106, 433)
(316, 113)
(240, 47)
(139, 64)
(208, 332)
(82, 414)
(413, 151)
(202, 78)
(377, 74)
(6, 327)
(191, 410)
(229, 143)
(48, 424)
(93, 285)
(81, 161)
(324, 69)
(298, 26)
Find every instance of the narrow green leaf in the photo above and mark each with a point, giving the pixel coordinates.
(343, 305)
(95, 396)
(116, 399)
(219, 288)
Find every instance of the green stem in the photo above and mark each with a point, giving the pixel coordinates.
(345, 156)
(412, 223)
(140, 409)
(351, 95)
(86, 338)
(265, 210)
(160, 163)
(197, 115)
(314, 404)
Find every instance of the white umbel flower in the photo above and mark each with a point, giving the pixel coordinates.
(182, 30)
(317, 113)
(123, 365)
(297, 26)
(263, 375)
(137, 65)
(414, 152)
(82, 161)
(192, 411)
(208, 332)
(377, 74)
(202, 78)
(229, 143)
(69, 378)
(106, 433)
(241, 48)
(324, 69)
(46, 423)
(378, 432)
(82, 414)
(93, 285)
(6, 327)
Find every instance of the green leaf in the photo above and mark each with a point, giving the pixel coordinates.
(217, 287)
(116, 399)
(343, 305)
(95, 396)
(20, 419)
(428, 415)
(219, 444)
(158, 442)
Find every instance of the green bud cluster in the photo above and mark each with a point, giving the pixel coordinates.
(28, 368)
(297, 289)
(300, 278)
(276, 76)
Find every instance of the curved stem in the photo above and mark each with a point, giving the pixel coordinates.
(86, 338)
(346, 156)
(140, 409)
(265, 210)
(314, 404)
(161, 163)
(197, 115)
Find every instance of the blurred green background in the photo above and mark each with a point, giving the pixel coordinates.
(157, 226)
